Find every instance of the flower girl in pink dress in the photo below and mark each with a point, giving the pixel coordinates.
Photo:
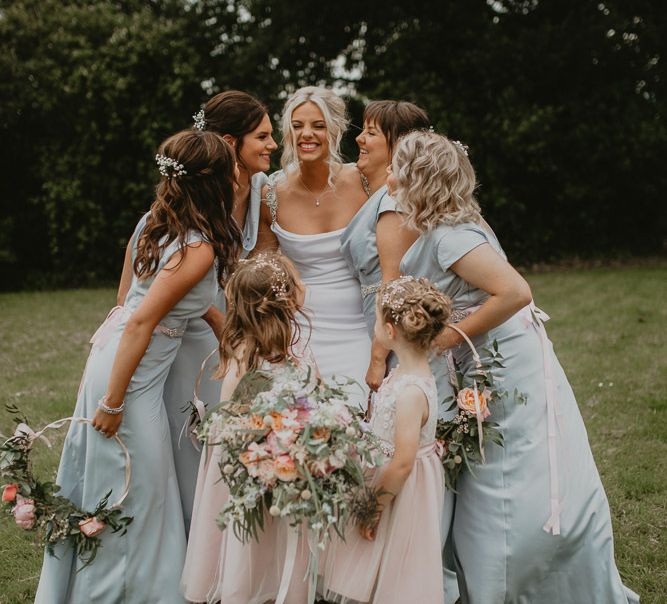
(264, 295)
(395, 556)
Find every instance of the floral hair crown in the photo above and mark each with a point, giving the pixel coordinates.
(393, 296)
(200, 120)
(169, 167)
(461, 146)
(279, 276)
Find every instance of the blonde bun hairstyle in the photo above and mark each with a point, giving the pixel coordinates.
(435, 181)
(416, 308)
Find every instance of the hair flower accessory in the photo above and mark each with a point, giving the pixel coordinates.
(200, 120)
(461, 146)
(169, 167)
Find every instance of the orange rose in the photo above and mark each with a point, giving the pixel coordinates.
(321, 433)
(466, 401)
(285, 468)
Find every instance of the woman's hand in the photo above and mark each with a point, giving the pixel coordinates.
(106, 423)
(446, 339)
(375, 374)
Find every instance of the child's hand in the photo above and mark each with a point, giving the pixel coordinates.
(107, 424)
(369, 530)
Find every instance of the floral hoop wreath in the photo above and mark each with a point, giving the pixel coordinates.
(37, 507)
(460, 441)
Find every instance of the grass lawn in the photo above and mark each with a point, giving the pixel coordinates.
(608, 327)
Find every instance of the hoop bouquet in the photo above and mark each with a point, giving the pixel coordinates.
(461, 440)
(36, 505)
(293, 448)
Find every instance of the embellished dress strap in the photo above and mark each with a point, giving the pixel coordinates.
(364, 183)
(272, 194)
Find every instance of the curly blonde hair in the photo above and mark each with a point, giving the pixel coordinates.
(335, 116)
(436, 181)
(262, 304)
(416, 307)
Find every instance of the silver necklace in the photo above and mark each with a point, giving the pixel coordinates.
(317, 197)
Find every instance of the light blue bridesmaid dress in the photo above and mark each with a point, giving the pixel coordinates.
(533, 524)
(143, 566)
(196, 345)
(359, 247)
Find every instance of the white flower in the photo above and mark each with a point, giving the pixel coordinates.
(306, 495)
(228, 469)
(274, 510)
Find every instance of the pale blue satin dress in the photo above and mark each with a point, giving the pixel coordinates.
(533, 525)
(197, 344)
(144, 566)
(358, 244)
(359, 248)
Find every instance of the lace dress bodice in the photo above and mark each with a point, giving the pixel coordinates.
(384, 413)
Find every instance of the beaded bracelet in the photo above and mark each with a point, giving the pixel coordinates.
(110, 410)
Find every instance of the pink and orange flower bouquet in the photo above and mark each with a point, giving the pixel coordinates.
(296, 451)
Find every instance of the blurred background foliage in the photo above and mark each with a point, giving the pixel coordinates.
(562, 104)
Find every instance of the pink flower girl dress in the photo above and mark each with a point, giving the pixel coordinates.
(219, 567)
(403, 563)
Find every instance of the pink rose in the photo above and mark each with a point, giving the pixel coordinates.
(285, 468)
(9, 492)
(91, 527)
(466, 401)
(266, 472)
(24, 512)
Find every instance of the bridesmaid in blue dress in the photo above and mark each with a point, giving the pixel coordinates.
(375, 240)
(244, 123)
(533, 524)
(374, 243)
(179, 252)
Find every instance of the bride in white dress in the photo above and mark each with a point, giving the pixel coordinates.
(307, 206)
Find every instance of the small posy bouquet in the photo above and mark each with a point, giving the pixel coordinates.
(295, 450)
(461, 440)
(37, 506)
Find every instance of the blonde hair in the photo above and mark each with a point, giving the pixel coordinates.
(335, 116)
(436, 181)
(416, 308)
(260, 322)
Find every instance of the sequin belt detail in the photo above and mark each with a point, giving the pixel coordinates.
(367, 290)
(120, 313)
(458, 315)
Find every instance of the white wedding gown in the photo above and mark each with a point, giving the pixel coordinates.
(338, 334)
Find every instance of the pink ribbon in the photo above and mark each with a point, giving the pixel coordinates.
(104, 331)
(531, 315)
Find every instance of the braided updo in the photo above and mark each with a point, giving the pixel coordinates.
(416, 307)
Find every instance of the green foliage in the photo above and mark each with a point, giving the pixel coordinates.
(561, 103)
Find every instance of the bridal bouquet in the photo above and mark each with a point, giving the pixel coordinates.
(294, 449)
(461, 440)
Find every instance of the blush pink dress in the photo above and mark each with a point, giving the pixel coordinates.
(403, 563)
(219, 567)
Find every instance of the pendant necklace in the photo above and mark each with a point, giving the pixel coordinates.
(317, 197)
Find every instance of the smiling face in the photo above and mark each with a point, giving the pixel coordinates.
(255, 152)
(374, 153)
(309, 130)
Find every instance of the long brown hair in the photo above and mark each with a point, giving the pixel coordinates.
(262, 304)
(236, 113)
(200, 199)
